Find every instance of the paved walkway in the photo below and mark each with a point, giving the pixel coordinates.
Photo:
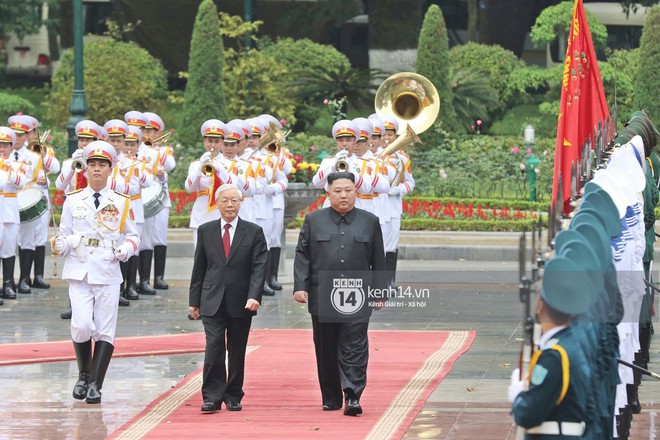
(470, 403)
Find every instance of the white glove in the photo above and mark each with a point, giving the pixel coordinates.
(73, 240)
(270, 189)
(78, 154)
(342, 153)
(121, 252)
(516, 385)
(222, 172)
(394, 190)
(57, 244)
(205, 157)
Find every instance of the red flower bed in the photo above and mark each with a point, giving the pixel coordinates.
(457, 210)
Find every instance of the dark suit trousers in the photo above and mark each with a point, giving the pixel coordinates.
(342, 354)
(216, 386)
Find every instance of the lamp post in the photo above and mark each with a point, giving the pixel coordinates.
(532, 161)
(78, 105)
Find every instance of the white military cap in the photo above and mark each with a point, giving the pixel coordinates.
(213, 128)
(100, 150)
(344, 128)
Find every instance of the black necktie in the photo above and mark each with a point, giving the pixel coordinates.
(96, 199)
(16, 155)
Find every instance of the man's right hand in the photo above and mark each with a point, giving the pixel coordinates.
(78, 154)
(194, 312)
(300, 296)
(341, 153)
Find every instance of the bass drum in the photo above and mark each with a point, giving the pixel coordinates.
(154, 199)
(32, 203)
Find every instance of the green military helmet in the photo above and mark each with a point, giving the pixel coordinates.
(565, 236)
(599, 200)
(578, 249)
(567, 286)
(612, 225)
(597, 238)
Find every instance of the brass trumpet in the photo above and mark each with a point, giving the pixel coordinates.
(37, 146)
(160, 139)
(78, 165)
(207, 167)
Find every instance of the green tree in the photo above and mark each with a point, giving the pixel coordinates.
(119, 77)
(648, 82)
(433, 63)
(473, 95)
(204, 97)
(555, 22)
(24, 17)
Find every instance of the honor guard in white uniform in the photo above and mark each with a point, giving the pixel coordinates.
(97, 231)
(402, 185)
(165, 164)
(148, 155)
(255, 178)
(49, 165)
(284, 164)
(345, 133)
(379, 182)
(206, 175)
(12, 180)
(30, 163)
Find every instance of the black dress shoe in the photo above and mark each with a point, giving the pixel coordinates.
(190, 317)
(160, 284)
(40, 283)
(131, 294)
(233, 405)
(80, 388)
(145, 289)
(66, 315)
(8, 292)
(211, 407)
(352, 408)
(267, 291)
(123, 302)
(274, 284)
(332, 407)
(23, 286)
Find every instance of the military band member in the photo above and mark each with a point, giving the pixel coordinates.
(345, 133)
(49, 165)
(30, 163)
(14, 180)
(401, 185)
(97, 231)
(379, 182)
(5, 146)
(165, 164)
(252, 169)
(204, 175)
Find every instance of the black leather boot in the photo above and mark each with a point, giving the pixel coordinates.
(274, 266)
(84, 358)
(8, 288)
(67, 314)
(390, 265)
(102, 355)
(25, 258)
(160, 255)
(39, 263)
(144, 258)
(267, 290)
(123, 302)
(130, 290)
(633, 399)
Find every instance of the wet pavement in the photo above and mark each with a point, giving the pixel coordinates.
(470, 403)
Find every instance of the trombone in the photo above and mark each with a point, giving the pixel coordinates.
(413, 101)
(38, 146)
(160, 139)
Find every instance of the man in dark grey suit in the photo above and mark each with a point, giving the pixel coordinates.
(339, 257)
(225, 291)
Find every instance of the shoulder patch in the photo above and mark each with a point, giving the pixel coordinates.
(120, 194)
(538, 375)
(74, 192)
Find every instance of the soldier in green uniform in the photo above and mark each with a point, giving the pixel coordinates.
(554, 405)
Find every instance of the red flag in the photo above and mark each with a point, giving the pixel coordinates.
(583, 104)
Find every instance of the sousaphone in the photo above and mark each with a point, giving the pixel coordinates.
(413, 101)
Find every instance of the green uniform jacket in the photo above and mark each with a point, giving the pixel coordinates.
(539, 404)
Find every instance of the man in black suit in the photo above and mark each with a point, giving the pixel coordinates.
(225, 291)
(338, 248)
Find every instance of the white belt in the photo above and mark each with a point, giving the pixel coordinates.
(559, 428)
(97, 242)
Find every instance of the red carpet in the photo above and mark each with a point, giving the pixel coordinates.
(282, 398)
(11, 354)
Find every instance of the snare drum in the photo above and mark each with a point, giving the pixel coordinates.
(32, 203)
(154, 198)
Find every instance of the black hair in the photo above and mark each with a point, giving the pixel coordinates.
(340, 175)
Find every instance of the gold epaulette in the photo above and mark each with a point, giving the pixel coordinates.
(74, 192)
(120, 194)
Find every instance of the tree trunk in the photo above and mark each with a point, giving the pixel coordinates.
(473, 19)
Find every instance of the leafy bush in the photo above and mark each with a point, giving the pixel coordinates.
(311, 147)
(431, 224)
(619, 73)
(495, 63)
(12, 104)
(648, 82)
(472, 96)
(204, 97)
(119, 77)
